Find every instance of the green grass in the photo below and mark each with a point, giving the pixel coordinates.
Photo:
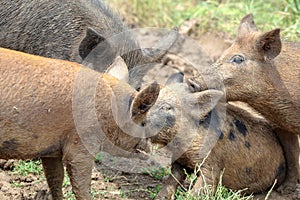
(24, 168)
(213, 15)
(207, 192)
(222, 193)
(154, 191)
(34, 167)
(157, 173)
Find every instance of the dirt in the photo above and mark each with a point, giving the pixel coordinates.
(120, 178)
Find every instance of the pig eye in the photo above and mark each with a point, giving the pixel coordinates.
(166, 107)
(238, 59)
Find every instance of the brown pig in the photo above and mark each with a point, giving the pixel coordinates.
(264, 72)
(193, 126)
(40, 118)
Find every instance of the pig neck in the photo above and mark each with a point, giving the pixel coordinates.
(108, 89)
(279, 104)
(280, 112)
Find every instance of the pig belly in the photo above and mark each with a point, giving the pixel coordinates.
(19, 143)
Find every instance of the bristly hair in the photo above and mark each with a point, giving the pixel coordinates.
(106, 10)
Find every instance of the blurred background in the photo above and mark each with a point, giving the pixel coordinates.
(214, 16)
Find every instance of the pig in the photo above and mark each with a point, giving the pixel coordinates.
(43, 115)
(264, 72)
(246, 149)
(73, 29)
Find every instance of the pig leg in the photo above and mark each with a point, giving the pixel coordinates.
(54, 172)
(290, 145)
(80, 176)
(170, 185)
(206, 177)
(79, 167)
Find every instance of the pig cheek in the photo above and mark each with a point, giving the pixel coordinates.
(226, 72)
(152, 127)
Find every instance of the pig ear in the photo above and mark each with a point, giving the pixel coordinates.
(203, 102)
(89, 42)
(119, 69)
(155, 53)
(246, 26)
(143, 101)
(269, 44)
(175, 78)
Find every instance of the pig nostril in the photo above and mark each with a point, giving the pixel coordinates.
(194, 85)
(138, 89)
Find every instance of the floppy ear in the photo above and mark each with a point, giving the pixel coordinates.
(246, 26)
(203, 102)
(175, 78)
(143, 101)
(119, 69)
(89, 42)
(269, 44)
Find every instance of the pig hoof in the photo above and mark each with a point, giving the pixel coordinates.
(287, 187)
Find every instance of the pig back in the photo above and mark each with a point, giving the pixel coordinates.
(55, 28)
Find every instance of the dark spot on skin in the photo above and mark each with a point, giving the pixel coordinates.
(248, 170)
(280, 169)
(220, 134)
(9, 145)
(171, 121)
(247, 144)
(35, 136)
(231, 136)
(9, 149)
(240, 127)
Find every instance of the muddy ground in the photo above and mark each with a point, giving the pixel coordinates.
(130, 180)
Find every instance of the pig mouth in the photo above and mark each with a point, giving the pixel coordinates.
(197, 85)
